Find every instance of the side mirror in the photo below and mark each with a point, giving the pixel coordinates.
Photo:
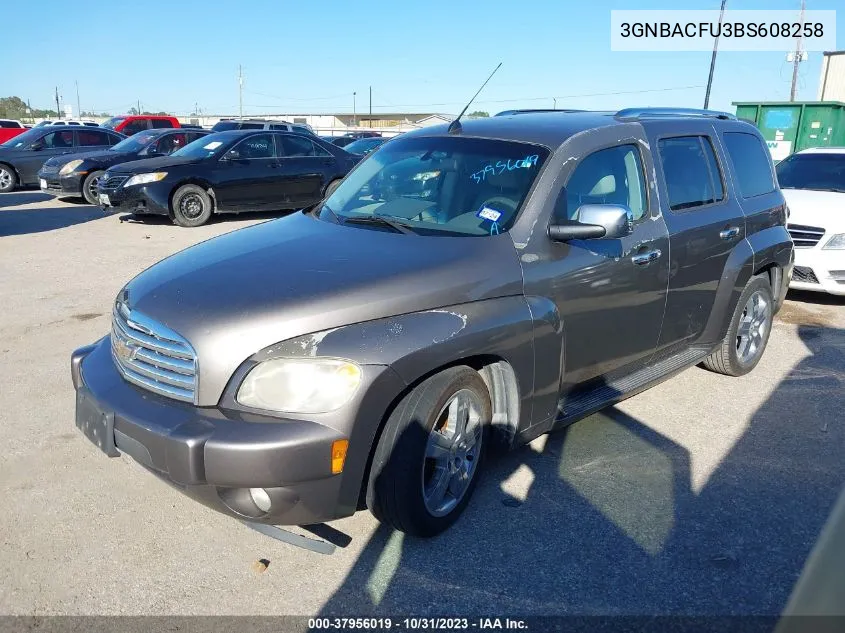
(232, 154)
(595, 221)
(37, 146)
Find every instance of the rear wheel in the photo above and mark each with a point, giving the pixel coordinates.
(8, 178)
(430, 454)
(748, 334)
(89, 187)
(191, 206)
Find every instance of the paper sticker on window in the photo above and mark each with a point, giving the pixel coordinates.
(486, 213)
(213, 145)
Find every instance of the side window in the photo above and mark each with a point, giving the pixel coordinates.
(692, 173)
(135, 126)
(608, 176)
(258, 146)
(251, 126)
(162, 123)
(279, 126)
(114, 139)
(92, 138)
(58, 140)
(169, 143)
(297, 146)
(300, 129)
(319, 150)
(750, 163)
(192, 136)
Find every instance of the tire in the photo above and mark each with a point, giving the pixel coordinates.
(191, 206)
(748, 334)
(413, 456)
(89, 184)
(330, 188)
(8, 178)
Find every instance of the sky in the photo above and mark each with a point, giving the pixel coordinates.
(417, 55)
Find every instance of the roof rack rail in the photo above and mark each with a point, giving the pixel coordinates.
(535, 110)
(642, 113)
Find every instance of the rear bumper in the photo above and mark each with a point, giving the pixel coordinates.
(819, 270)
(215, 456)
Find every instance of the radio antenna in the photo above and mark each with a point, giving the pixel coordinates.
(455, 126)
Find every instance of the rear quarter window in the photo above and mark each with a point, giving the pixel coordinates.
(691, 171)
(750, 162)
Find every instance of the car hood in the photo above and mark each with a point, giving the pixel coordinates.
(101, 157)
(825, 209)
(237, 294)
(152, 164)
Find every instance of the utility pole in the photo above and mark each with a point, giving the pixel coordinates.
(371, 106)
(58, 109)
(139, 106)
(29, 109)
(241, 91)
(554, 103)
(78, 107)
(797, 54)
(354, 114)
(713, 58)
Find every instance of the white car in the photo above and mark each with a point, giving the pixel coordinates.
(813, 183)
(86, 122)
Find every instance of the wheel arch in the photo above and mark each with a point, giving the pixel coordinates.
(192, 180)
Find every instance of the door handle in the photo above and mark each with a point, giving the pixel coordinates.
(729, 233)
(641, 259)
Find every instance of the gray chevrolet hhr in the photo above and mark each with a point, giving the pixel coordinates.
(463, 286)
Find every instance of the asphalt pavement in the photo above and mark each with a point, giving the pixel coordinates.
(703, 495)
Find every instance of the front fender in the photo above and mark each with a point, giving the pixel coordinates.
(417, 344)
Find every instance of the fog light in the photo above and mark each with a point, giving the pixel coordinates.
(260, 498)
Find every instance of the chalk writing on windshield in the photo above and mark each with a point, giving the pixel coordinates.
(503, 166)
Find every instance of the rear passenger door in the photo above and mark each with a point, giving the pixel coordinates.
(88, 139)
(305, 169)
(705, 224)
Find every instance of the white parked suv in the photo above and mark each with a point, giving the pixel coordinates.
(813, 183)
(86, 122)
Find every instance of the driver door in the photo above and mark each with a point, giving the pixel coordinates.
(245, 175)
(52, 144)
(610, 293)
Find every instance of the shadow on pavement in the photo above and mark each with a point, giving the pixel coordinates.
(20, 198)
(23, 221)
(612, 525)
(820, 298)
(132, 218)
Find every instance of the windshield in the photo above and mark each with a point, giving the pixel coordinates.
(440, 185)
(114, 122)
(24, 139)
(135, 143)
(222, 126)
(204, 147)
(364, 145)
(820, 171)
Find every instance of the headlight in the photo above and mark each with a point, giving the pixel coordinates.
(142, 179)
(426, 175)
(69, 167)
(837, 242)
(293, 385)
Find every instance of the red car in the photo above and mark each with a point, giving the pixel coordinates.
(10, 129)
(130, 124)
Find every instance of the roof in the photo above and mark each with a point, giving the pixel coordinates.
(823, 150)
(546, 128)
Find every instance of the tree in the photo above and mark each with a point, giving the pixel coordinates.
(16, 108)
(478, 114)
(133, 110)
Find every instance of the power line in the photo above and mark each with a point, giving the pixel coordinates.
(345, 95)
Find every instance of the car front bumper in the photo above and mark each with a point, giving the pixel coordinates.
(819, 270)
(52, 183)
(212, 455)
(152, 198)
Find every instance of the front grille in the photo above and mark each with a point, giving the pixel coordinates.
(804, 275)
(152, 356)
(114, 182)
(805, 236)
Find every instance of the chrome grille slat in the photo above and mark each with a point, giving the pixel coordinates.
(805, 236)
(152, 356)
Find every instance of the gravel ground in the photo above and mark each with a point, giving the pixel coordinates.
(703, 495)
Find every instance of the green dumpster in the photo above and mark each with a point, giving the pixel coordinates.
(790, 126)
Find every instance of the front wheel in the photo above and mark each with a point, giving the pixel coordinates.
(89, 187)
(748, 334)
(8, 178)
(191, 206)
(429, 457)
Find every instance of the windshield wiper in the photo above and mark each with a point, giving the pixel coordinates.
(397, 224)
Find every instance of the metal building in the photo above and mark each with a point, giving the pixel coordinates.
(832, 80)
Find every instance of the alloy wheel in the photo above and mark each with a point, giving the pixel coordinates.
(5, 178)
(753, 326)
